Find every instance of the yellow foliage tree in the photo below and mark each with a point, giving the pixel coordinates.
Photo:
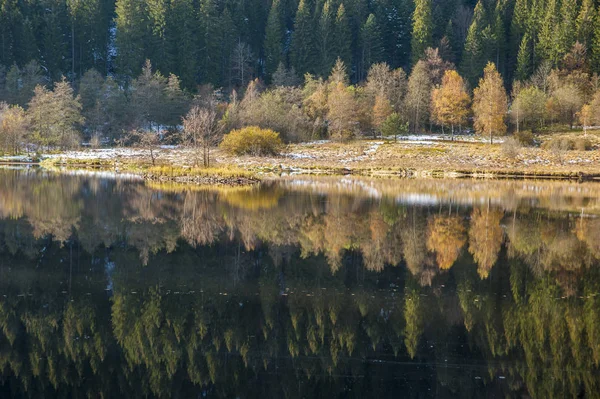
(446, 237)
(490, 103)
(450, 101)
(381, 111)
(485, 239)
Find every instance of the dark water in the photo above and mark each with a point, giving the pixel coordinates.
(298, 289)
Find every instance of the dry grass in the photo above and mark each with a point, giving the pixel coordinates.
(377, 157)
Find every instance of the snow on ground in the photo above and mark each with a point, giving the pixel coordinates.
(107, 153)
(430, 138)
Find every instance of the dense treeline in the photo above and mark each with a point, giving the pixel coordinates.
(229, 43)
(306, 70)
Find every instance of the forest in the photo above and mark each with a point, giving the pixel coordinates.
(307, 70)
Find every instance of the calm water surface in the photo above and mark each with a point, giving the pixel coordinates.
(299, 288)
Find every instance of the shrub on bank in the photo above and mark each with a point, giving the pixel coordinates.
(568, 144)
(525, 138)
(511, 148)
(252, 140)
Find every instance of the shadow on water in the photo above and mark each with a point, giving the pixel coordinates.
(298, 288)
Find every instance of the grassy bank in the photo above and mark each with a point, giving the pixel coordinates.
(423, 156)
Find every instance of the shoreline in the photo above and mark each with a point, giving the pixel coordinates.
(368, 158)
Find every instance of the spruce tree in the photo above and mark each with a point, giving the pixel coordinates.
(371, 50)
(548, 33)
(131, 35)
(273, 45)
(480, 40)
(182, 34)
(303, 53)
(585, 23)
(209, 46)
(325, 38)
(422, 29)
(342, 36)
(567, 30)
(518, 26)
(157, 45)
(525, 59)
(595, 47)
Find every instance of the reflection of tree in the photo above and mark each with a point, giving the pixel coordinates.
(446, 237)
(485, 238)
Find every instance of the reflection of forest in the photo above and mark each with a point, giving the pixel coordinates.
(111, 288)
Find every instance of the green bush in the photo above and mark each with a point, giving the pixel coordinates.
(568, 144)
(525, 137)
(252, 140)
(394, 126)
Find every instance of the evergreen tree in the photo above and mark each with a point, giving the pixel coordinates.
(228, 37)
(371, 46)
(525, 58)
(273, 39)
(422, 29)
(324, 38)
(595, 56)
(342, 36)
(181, 33)
(27, 49)
(158, 46)
(479, 46)
(585, 23)
(394, 19)
(131, 17)
(209, 46)
(303, 53)
(567, 29)
(547, 40)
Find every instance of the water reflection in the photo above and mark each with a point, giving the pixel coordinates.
(300, 288)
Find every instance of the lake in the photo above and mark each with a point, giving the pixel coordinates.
(298, 288)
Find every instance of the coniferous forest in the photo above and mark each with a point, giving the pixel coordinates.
(358, 66)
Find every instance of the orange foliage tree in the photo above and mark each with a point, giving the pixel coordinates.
(450, 101)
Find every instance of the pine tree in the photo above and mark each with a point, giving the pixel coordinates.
(342, 36)
(371, 46)
(518, 28)
(131, 37)
(181, 33)
(228, 38)
(490, 104)
(525, 59)
(585, 23)
(325, 29)
(394, 19)
(422, 29)
(595, 56)
(27, 49)
(273, 39)
(549, 32)
(209, 46)
(567, 30)
(480, 40)
(303, 53)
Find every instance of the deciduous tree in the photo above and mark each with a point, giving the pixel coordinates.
(490, 104)
(450, 102)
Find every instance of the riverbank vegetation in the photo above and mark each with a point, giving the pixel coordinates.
(537, 84)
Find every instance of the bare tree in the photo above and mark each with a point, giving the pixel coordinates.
(202, 130)
(241, 59)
